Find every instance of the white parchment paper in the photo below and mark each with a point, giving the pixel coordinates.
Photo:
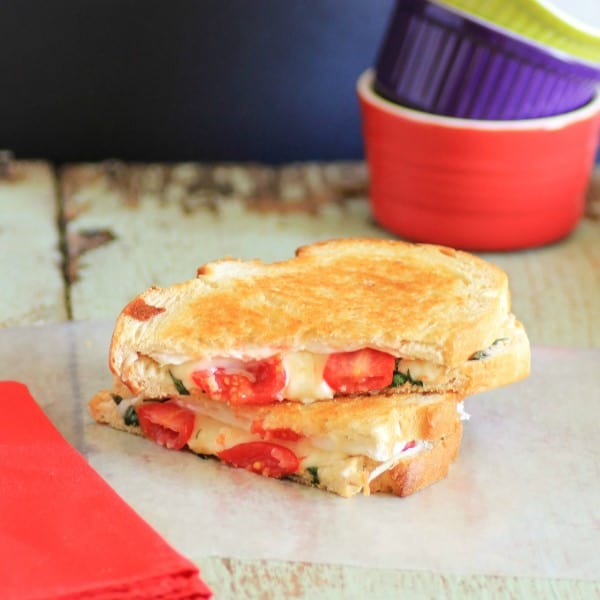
(522, 499)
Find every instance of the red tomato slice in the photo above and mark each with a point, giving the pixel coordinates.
(264, 458)
(278, 433)
(363, 370)
(259, 382)
(166, 423)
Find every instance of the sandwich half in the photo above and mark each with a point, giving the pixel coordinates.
(342, 317)
(344, 367)
(395, 444)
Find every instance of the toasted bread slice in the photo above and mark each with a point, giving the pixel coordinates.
(422, 303)
(506, 361)
(420, 470)
(396, 444)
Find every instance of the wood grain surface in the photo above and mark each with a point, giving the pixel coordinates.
(132, 226)
(33, 289)
(80, 242)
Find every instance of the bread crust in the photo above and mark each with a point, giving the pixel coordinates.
(421, 470)
(420, 301)
(104, 409)
(507, 363)
(417, 416)
(414, 416)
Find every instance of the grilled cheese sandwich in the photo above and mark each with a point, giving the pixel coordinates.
(344, 368)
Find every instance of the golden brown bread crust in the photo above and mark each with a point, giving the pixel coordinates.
(420, 301)
(419, 471)
(140, 311)
(416, 416)
(422, 416)
(508, 362)
(104, 409)
(432, 420)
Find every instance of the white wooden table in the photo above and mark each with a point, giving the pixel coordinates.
(78, 243)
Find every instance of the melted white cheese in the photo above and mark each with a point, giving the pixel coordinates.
(213, 436)
(400, 454)
(336, 456)
(304, 374)
(338, 467)
(422, 370)
(381, 444)
(462, 414)
(185, 369)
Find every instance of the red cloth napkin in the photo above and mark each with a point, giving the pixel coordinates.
(64, 533)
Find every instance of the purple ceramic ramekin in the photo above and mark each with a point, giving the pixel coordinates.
(446, 62)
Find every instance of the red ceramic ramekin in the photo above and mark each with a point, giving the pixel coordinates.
(472, 184)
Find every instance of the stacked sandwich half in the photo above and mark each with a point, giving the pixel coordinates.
(343, 368)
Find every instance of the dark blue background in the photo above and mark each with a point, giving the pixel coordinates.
(266, 80)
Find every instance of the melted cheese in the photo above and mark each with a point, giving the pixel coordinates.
(422, 370)
(304, 371)
(339, 468)
(398, 456)
(304, 374)
(462, 414)
(380, 444)
(339, 458)
(211, 436)
(219, 428)
(185, 369)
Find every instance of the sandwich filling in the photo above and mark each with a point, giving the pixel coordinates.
(299, 376)
(209, 428)
(306, 376)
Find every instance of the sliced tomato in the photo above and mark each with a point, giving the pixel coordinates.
(363, 370)
(258, 382)
(278, 433)
(166, 423)
(264, 458)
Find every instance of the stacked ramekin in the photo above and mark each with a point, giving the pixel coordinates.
(481, 127)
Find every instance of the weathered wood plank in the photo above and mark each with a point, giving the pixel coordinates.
(33, 288)
(155, 224)
(262, 580)
(556, 289)
(131, 226)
